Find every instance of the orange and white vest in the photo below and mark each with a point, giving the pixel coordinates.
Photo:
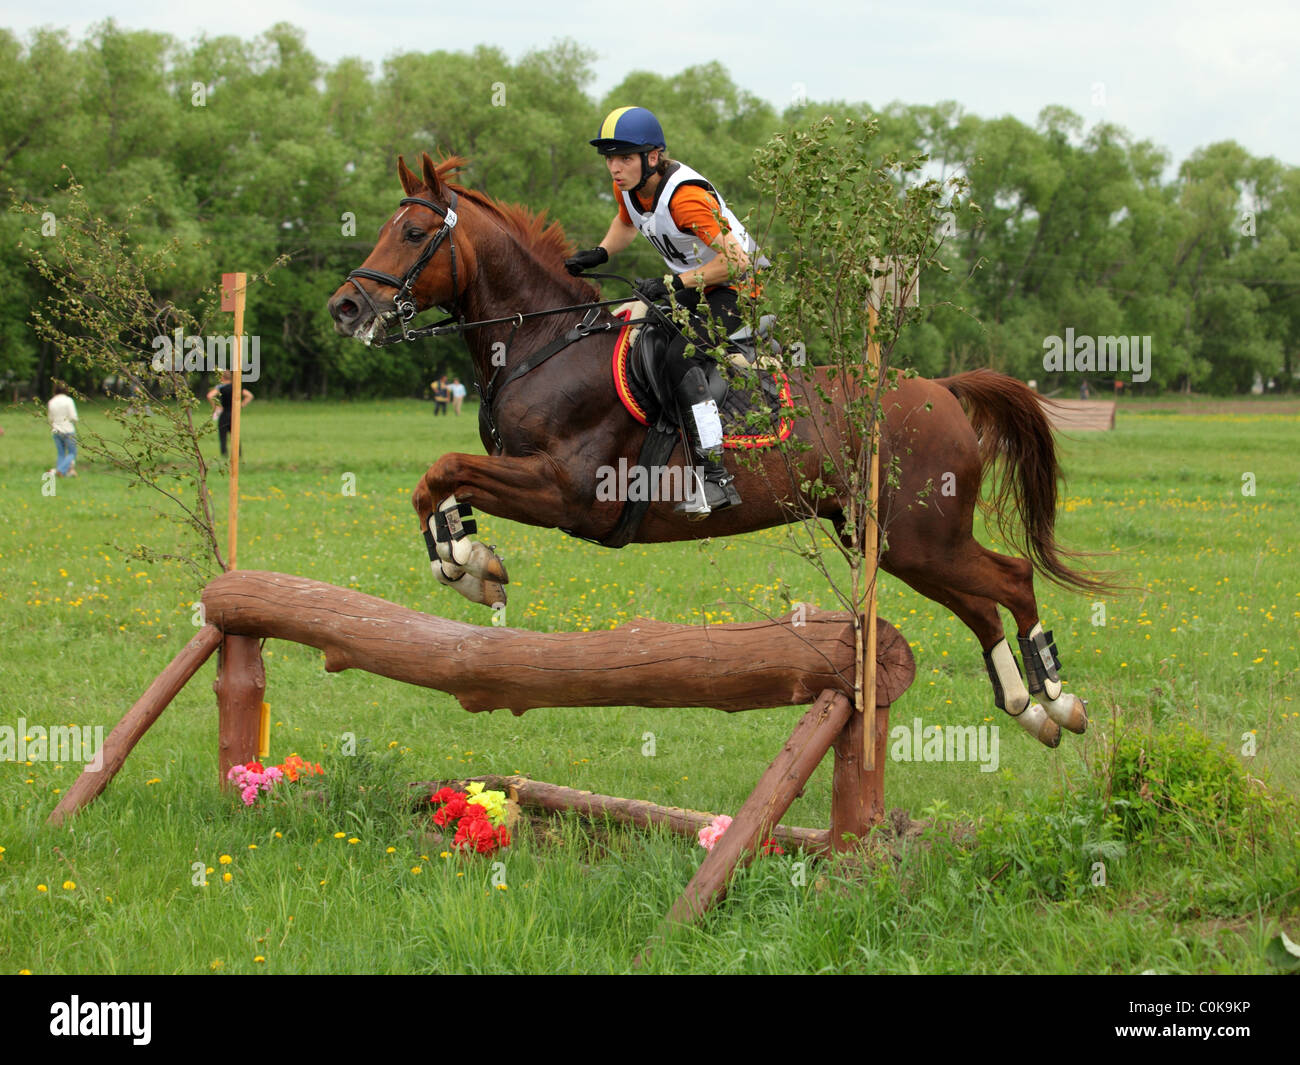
(683, 250)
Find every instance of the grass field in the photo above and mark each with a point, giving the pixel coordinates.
(1199, 509)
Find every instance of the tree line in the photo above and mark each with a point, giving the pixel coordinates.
(244, 151)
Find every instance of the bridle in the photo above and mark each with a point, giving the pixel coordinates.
(403, 304)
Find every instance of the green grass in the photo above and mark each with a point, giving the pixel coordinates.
(1210, 642)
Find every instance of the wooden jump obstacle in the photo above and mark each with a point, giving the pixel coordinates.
(1081, 415)
(730, 667)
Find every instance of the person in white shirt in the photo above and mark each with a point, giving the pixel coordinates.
(457, 394)
(63, 424)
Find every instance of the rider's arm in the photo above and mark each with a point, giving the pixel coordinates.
(695, 210)
(620, 235)
(722, 270)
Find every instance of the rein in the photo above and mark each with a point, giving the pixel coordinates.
(406, 310)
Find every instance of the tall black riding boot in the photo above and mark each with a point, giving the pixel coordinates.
(704, 431)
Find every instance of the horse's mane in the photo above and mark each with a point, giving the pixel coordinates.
(544, 238)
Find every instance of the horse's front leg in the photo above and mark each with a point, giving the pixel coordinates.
(519, 489)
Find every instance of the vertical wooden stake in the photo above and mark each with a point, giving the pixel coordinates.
(238, 285)
(866, 683)
(240, 688)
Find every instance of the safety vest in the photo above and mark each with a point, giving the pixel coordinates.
(683, 250)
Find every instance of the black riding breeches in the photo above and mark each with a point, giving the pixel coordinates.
(724, 304)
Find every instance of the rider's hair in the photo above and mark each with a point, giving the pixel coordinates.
(661, 168)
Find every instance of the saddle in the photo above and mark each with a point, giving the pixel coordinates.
(750, 380)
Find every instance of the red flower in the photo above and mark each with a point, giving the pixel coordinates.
(772, 847)
(441, 795)
(476, 833)
(454, 807)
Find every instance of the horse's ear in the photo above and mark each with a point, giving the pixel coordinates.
(431, 175)
(410, 179)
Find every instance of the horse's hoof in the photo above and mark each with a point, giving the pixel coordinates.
(487, 564)
(1034, 720)
(1069, 712)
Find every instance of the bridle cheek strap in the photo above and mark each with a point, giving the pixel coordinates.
(402, 302)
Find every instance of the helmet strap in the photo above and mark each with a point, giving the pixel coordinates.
(645, 172)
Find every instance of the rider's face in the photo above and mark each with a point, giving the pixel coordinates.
(626, 169)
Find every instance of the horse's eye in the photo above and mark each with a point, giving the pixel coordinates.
(415, 235)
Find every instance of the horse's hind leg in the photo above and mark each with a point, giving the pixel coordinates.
(980, 615)
(976, 571)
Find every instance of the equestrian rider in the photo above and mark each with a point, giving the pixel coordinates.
(706, 250)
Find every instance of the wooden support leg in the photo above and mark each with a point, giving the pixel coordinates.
(126, 734)
(240, 688)
(776, 790)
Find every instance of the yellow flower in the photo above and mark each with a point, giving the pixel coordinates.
(252, 846)
(339, 835)
(24, 972)
(225, 859)
(259, 958)
(41, 888)
(217, 963)
(391, 850)
(415, 869)
(69, 885)
(227, 877)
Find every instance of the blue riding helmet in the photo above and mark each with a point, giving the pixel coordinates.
(629, 131)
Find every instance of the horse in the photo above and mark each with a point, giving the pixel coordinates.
(550, 434)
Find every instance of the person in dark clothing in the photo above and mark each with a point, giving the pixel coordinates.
(222, 404)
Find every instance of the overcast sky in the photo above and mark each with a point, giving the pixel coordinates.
(1182, 73)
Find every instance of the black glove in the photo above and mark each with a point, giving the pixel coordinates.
(653, 289)
(585, 260)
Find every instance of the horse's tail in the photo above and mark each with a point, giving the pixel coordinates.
(1017, 447)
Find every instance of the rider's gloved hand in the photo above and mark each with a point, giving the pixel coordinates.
(585, 260)
(653, 289)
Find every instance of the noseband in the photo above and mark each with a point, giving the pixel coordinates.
(402, 302)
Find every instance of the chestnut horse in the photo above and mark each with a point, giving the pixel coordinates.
(550, 433)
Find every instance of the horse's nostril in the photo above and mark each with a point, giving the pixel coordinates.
(345, 309)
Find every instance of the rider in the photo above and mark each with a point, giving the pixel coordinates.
(707, 252)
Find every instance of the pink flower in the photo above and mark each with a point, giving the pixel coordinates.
(710, 833)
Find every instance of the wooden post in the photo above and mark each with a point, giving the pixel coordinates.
(866, 683)
(127, 733)
(858, 790)
(232, 299)
(240, 688)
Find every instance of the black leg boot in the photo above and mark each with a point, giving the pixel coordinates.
(716, 489)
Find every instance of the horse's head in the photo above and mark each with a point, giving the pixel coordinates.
(423, 258)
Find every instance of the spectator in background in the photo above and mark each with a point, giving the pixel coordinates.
(63, 424)
(457, 394)
(1084, 391)
(441, 395)
(222, 403)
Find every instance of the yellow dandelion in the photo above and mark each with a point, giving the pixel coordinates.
(339, 835)
(225, 859)
(227, 877)
(416, 869)
(259, 958)
(42, 888)
(69, 885)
